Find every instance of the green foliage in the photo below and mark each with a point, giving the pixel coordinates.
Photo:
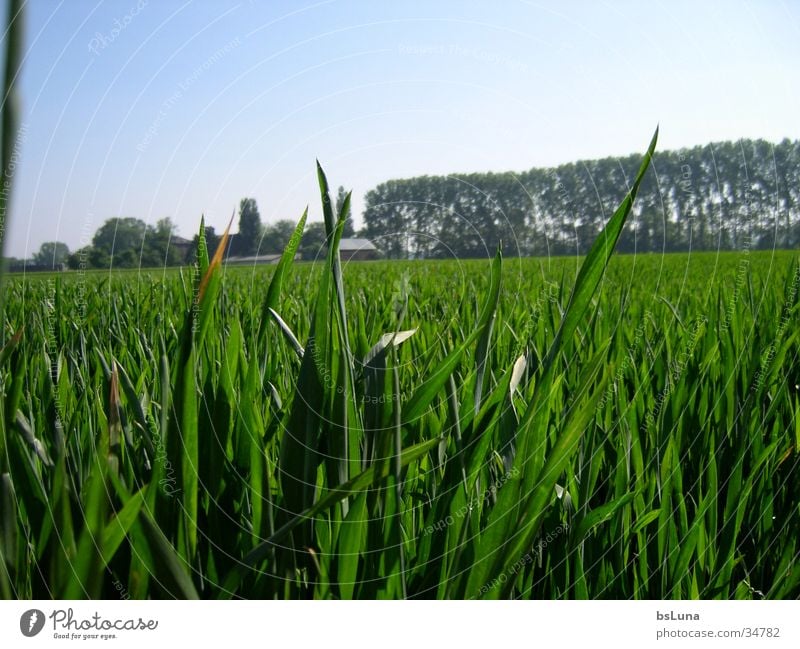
(250, 228)
(349, 228)
(130, 243)
(52, 254)
(212, 240)
(9, 119)
(724, 195)
(277, 236)
(405, 429)
(121, 238)
(312, 247)
(158, 251)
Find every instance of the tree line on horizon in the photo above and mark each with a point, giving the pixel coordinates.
(128, 242)
(721, 196)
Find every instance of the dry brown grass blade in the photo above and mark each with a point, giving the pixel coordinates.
(12, 342)
(216, 261)
(114, 421)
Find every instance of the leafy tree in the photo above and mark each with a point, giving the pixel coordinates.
(118, 240)
(98, 258)
(212, 241)
(349, 230)
(250, 228)
(312, 245)
(722, 195)
(81, 258)
(157, 250)
(164, 228)
(277, 236)
(52, 254)
(130, 243)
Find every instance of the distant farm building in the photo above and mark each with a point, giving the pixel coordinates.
(27, 266)
(255, 260)
(182, 245)
(358, 250)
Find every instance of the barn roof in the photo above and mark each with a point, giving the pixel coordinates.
(254, 259)
(356, 244)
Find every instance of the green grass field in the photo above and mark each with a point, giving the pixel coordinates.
(517, 428)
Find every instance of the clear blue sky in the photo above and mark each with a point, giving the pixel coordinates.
(193, 105)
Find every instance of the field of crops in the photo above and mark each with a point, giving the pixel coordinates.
(480, 429)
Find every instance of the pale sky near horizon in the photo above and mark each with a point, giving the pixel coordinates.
(191, 105)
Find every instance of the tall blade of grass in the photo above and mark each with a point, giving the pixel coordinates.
(202, 249)
(425, 393)
(481, 358)
(378, 397)
(187, 458)
(351, 543)
(139, 415)
(117, 529)
(739, 491)
(288, 334)
(272, 299)
(62, 545)
(5, 351)
(208, 288)
(432, 547)
(299, 453)
(9, 107)
(575, 424)
(152, 554)
(362, 481)
(345, 446)
(687, 551)
(167, 565)
(596, 517)
(183, 439)
(324, 399)
(87, 567)
(589, 276)
(327, 206)
(532, 429)
(9, 533)
(5, 577)
(251, 444)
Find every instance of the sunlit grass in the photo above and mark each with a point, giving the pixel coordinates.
(499, 428)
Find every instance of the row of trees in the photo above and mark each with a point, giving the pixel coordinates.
(725, 195)
(51, 254)
(131, 243)
(255, 238)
